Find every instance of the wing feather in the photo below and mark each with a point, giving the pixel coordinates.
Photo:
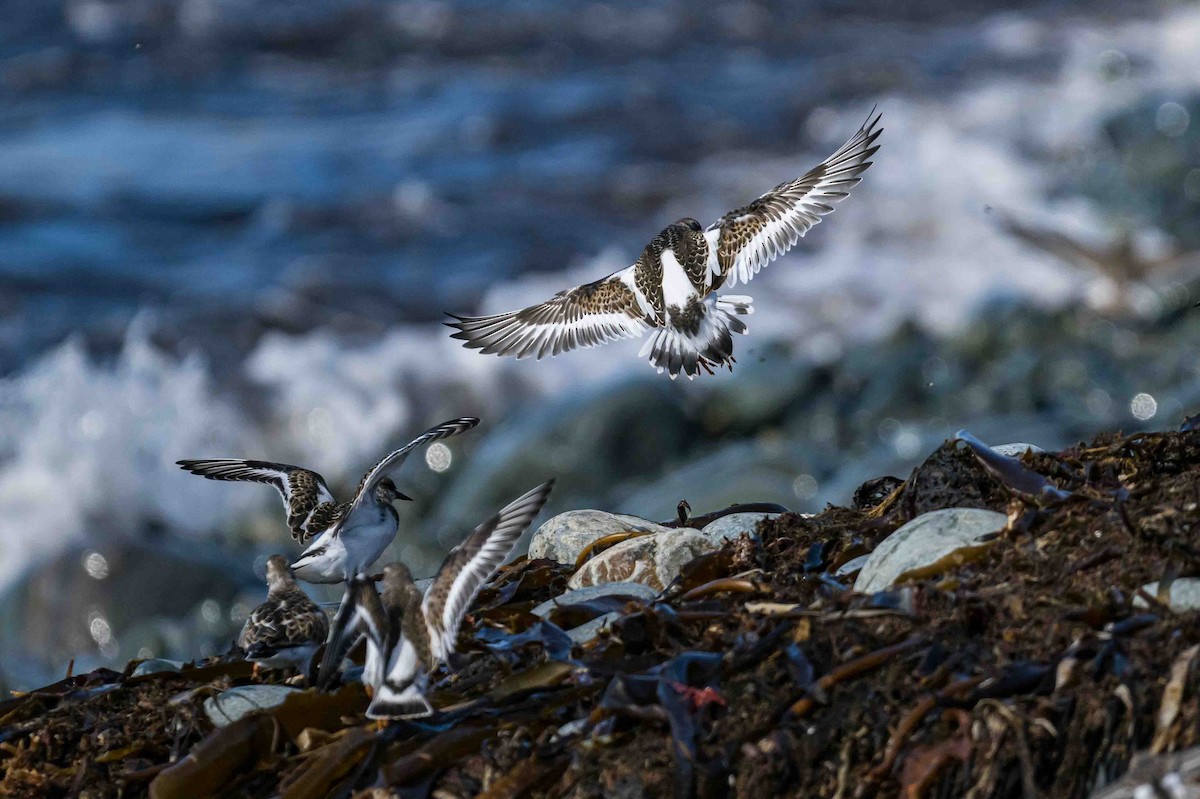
(751, 237)
(585, 316)
(393, 460)
(303, 491)
(471, 563)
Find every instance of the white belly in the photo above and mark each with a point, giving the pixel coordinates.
(366, 540)
(677, 289)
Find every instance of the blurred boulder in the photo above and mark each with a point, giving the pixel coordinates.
(121, 600)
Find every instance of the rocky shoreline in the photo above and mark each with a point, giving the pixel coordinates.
(1003, 622)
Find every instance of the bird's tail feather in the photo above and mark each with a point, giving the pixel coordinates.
(675, 351)
(388, 703)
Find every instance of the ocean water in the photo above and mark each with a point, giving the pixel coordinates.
(231, 230)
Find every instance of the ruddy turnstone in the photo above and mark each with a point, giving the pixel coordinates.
(409, 632)
(350, 535)
(288, 628)
(671, 288)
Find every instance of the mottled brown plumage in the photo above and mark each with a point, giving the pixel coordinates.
(287, 620)
(309, 505)
(669, 289)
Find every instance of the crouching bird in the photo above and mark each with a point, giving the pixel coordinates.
(408, 632)
(287, 629)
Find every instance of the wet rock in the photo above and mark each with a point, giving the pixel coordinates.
(1016, 450)
(653, 560)
(734, 525)
(588, 593)
(229, 706)
(851, 566)
(924, 541)
(564, 537)
(154, 666)
(1183, 595)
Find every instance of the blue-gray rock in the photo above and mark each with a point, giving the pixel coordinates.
(1183, 595)
(924, 541)
(588, 593)
(564, 537)
(851, 566)
(734, 525)
(590, 629)
(229, 706)
(154, 666)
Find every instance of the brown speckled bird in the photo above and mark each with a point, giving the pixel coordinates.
(671, 288)
(409, 632)
(287, 629)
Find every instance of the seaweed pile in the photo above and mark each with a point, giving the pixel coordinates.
(1021, 668)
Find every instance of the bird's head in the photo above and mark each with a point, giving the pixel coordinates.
(387, 492)
(396, 576)
(278, 572)
(690, 224)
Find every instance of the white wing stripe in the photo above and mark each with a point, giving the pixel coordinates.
(792, 209)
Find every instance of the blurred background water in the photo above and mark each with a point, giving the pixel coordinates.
(230, 228)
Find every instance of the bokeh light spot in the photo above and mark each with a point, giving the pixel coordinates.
(438, 457)
(1143, 406)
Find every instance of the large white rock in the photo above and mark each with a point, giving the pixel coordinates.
(924, 541)
(653, 560)
(734, 525)
(1184, 594)
(565, 536)
(229, 706)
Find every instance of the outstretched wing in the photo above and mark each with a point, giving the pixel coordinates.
(585, 316)
(393, 461)
(749, 238)
(471, 563)
(303, 490)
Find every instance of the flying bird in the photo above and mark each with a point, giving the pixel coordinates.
(409, 632)
(671, 288)
(288, 628)
(349, 535)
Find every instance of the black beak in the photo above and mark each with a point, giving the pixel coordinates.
(404, 497)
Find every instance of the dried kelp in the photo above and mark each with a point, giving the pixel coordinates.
(1024, 670)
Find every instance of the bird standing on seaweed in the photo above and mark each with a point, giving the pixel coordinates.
(409, 632)
(350, 535)
(288, 628)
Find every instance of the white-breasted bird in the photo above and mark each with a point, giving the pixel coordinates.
(670, 290)
(409, 632)
(350, 535)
